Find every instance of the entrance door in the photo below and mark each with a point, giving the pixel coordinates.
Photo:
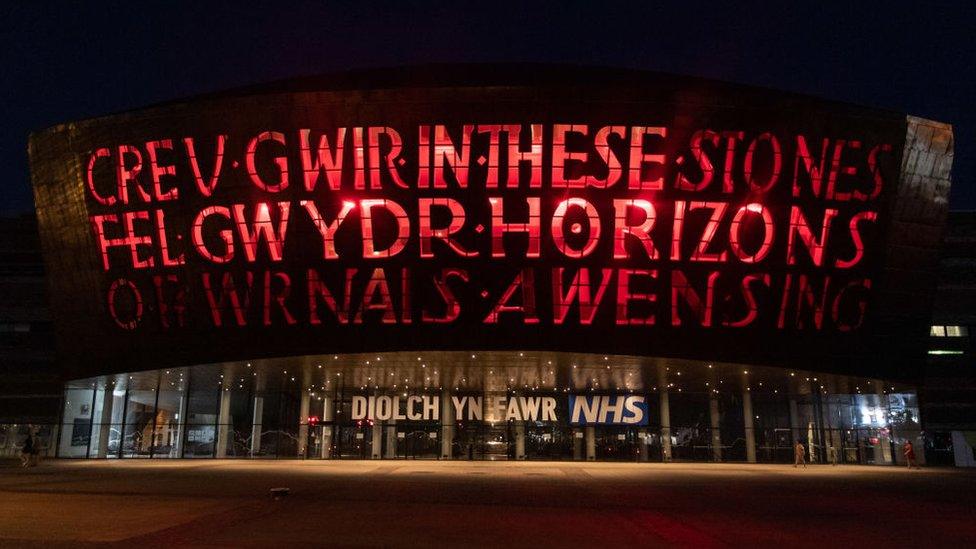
(418, 442)
(616, 443)
(354, 442)
(499, 442)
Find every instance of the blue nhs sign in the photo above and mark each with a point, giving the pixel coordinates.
(607, 410)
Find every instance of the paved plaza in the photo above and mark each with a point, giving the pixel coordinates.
(481, 504)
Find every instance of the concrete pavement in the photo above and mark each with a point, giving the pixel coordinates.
(481, 504)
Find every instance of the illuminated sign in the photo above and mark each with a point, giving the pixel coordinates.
(582, 409)
(608, 410)
(484, 223)
(570, 210)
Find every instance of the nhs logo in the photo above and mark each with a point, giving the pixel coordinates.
(607, 410)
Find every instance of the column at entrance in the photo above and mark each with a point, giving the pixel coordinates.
(716, 432)
(882, 450)
(662, 382)
(447, 414)
(589, 433)
(325, 452)
(642, 440)
(256, 426)
(520, 440)
(181, 422)
(750, 425)
(105, 421)
(223, 424)
(376, 442)
(794, 423)
(391, 439)
(303, 424)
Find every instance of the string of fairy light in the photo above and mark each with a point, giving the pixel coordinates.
(503, 372)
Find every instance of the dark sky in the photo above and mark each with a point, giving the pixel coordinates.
(64, 62)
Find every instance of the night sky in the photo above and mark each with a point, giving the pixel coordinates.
(78, 60)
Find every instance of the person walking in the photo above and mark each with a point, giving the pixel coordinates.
(27, 451)
(909, 451)
(799, 455)
(832, 454)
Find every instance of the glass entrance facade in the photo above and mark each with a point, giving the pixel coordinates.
(488, 406)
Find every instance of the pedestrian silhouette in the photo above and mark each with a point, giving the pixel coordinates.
(799, 455)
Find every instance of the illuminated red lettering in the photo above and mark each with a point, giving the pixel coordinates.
(451, 303)
(876, 177)
(318, 290)
(228, 295)
(773, 173)
(113, 292)
(516, 156)
(752, 307)
(732, 138)
(558, 220)
(609, 158)
(704, 163)
(164, 248)
(857, 238)
(157, 171)
(279, 160)
(262, 227)
(396, 144)
(327, 230)
(126, 173)
(377, 288)
(524, 281)
(579, 289)
(366, 221)
(784, 302)
(639, 161)
(861, 305)
(625, 296)
(406, 316)
(358, 159)
(447, 155)
(814, 170)
(165, 304)
(561, 157)
(427, 233)
(642, 232)
(711, 228)
(90, 179)
(838, 169)
(206, 188)
(735, 233)
(132, 240)
(800, 227)
(104, 242)
(682, 290)
(499, 227)
(324, 161)
(804, 293)
(423, 157)
(226, 235)
(279, 297)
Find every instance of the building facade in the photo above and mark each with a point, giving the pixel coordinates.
(949, 389)
(515, 263)
(30, 392)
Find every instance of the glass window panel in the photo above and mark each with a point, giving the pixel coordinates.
(956, 331)
(76, 427)
(170, 415)
(937, 331)
(140, 409)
